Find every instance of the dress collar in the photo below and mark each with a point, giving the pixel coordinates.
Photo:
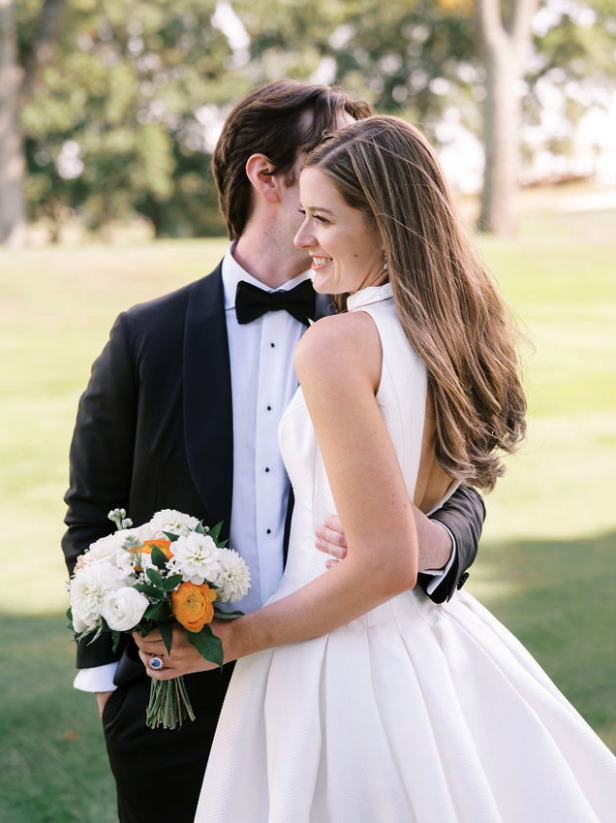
(369, 295)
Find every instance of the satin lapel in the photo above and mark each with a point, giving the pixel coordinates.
(208, 420)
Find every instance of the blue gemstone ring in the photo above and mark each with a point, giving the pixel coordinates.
(156, 663)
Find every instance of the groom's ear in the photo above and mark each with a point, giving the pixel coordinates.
(260, 172)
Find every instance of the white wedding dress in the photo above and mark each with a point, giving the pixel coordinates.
(413, 713)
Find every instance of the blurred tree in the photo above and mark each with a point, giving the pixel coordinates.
(573, 66)
(18, 70)
(434, 61)
(506, 37)
(111, 122)
(121, 115)
(12, 210)
(409, 57)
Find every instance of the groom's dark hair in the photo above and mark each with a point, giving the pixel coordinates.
(270, 121)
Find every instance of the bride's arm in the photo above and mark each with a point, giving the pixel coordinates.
(338, 363)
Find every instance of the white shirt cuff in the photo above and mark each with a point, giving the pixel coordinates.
(438, 575)
(97, 679)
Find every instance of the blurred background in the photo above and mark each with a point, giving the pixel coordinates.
(109, 111)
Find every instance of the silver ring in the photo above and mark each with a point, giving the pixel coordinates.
(156, 663)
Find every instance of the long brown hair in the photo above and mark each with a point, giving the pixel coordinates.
(270, 120)
(449, 306)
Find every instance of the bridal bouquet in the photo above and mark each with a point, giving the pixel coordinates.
(172, 569)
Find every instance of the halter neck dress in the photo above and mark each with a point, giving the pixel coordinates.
(412, 713)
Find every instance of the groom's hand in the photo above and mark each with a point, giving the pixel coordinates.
(434, 542)
(101, 699)
(330, 538)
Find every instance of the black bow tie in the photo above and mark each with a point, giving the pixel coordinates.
(251, 302)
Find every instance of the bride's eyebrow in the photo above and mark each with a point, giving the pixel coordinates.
(319, 209)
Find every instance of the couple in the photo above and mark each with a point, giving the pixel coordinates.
(394, 709)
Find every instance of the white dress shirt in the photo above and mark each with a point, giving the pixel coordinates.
(263, 382)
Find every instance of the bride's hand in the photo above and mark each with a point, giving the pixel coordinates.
(184, 657)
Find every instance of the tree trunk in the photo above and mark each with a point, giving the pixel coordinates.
(504, 50)
(502, 129)
(12, 164)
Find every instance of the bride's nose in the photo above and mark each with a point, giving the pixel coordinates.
(304, 237)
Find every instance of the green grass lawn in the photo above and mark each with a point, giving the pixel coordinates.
(546, 565)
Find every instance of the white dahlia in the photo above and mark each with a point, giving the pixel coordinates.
(89, 587)
(170, 520)
(233, 580)
(196, 558)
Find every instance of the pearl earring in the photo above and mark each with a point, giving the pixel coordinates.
(385, 263)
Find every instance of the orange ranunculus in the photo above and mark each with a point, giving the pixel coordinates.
(163, 545)
(193, 605)
(148, 545)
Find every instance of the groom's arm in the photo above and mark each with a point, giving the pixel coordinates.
(447, 540)
(462, 515)
(101, 458)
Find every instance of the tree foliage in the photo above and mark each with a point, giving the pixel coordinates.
(110, 121)
(121, 102)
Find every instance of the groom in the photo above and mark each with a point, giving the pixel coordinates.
(181, 412)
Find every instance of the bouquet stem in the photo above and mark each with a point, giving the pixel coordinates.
(169, 704)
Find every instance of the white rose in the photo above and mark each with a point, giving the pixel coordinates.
(170, 520)
(195, 557)
(124, 608)
(140, 533)
(125, 562)
(111, 548)
(89, 587)
(105, 548)
(233, 581)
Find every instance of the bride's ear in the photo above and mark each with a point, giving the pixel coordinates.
(260, 172)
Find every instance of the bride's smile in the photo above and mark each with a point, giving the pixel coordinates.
(346, 250)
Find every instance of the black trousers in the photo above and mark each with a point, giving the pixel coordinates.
(159, 772)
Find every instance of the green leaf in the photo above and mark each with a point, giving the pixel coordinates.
(171, 536)
(157, 611)
(167, 633)
(201, 529)
(207, 644)
(227, 615)
(156, 577)
(151, 591)
(215, 531)
(171, 582)
(144, 627)
(159, 558)
(116, 635)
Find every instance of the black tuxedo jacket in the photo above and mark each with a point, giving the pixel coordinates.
(154, 431)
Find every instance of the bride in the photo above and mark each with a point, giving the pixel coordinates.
(355, 699)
